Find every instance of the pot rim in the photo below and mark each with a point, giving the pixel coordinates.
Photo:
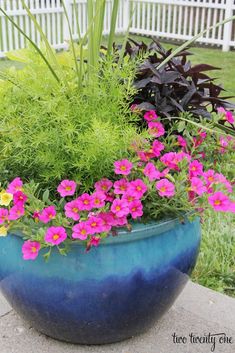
(139, 231)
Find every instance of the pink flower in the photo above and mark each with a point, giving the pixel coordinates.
(221, 179)
(145, 156)
(107, 220)
(36, 216)
(72, 209)
(47, 214)
(209, 177)
(123, 167)
(232, 207)
(84, 202)
(66, 188)
(181, 141)
(136, 209)
(3, 215)
(81, 231)
(95, 225)
(94, 241)
(19, 198)
(30, 250)
(157, 147)
(55, 235)
(150, 115)
(219, 201)
(15, 185)
(103, 185)
(195, 168)
(119, 221)
(120, 186)
(129, 197)
(227, 115)
(156, 129)
(120, 207)
(98, 199)
(16, 212)
(165, 188)
(197, 186)
(137, 188)
(172, 159)
(151, 172)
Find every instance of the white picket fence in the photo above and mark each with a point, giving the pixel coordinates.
(171, 19)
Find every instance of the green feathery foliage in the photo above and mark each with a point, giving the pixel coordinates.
(50, 131)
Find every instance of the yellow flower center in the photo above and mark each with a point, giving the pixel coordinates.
(33, 249)
(55, 236)
(123, 167)
(118, 208)
(163, 189)
(75, 210)
(68, 188)
(217, 202)
(86, 202)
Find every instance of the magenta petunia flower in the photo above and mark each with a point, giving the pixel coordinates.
(15, 185)
(151, 172)
(227, 115)
(30, 250)
(136, 209)
(47, 214)
(3, 215)
(129, 197)
(172, 159)
(98, 199)
(165, 188)
(157, 147)
(103, 185)
(16, 212)
(119, 221)
(181, 141)
(120, 207)
(209, 177)
(19, 198)
(219, 201)
(121, 186)
(84, 202)
(195, 168)
(95, 225)
(66, 188)
(137, 188)
(55, 235)
(107, 221)
(123, 167)
(71, 210)
(221, 179)
(94, 241)
(197, 186)
(156, 129)
(81, 231)
(150, 115)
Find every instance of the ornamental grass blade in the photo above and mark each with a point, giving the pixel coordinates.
(33, 44)
(71, 39)
(113, 25)
(191, 41)
(42, 34)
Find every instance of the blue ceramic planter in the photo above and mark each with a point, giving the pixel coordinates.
(109, 294)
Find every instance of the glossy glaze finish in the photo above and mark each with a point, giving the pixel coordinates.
(111, 293)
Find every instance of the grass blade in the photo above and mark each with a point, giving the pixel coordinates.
(33, 44)
(189, 42)
(113, 25)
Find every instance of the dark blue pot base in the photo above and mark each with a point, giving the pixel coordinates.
(114, 292)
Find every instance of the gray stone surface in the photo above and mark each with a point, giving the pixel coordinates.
(198, 310)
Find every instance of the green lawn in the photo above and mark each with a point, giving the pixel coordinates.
(216, 263)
